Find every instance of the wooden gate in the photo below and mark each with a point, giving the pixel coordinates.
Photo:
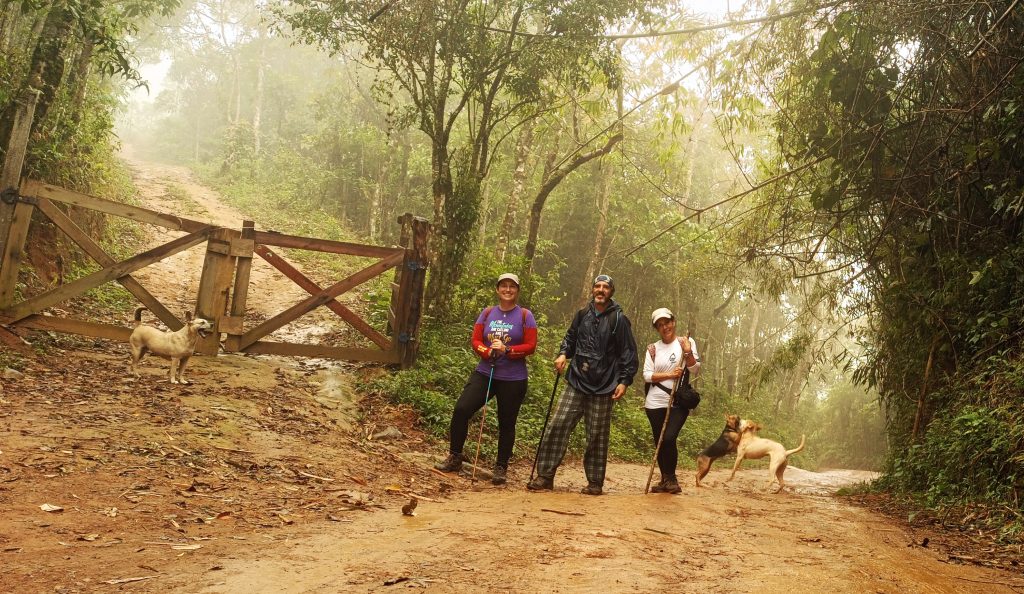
(224, 282)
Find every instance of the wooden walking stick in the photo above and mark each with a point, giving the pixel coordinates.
(657, 448)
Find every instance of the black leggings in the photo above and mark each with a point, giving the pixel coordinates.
(509, 394)
(668, 455)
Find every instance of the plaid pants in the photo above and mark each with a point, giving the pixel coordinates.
(572, 406)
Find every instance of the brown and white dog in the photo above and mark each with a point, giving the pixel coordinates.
(725, 444)
(177, 346)
(753, 446)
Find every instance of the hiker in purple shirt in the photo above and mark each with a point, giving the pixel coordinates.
(503, 336)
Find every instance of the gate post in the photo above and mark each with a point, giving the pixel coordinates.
(214, 286)
(396, 307)
(414, 274)
(14, 215)
(242, 249)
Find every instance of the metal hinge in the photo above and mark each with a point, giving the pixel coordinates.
(9, 195)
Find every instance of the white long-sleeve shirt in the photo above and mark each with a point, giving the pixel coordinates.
(667, 356)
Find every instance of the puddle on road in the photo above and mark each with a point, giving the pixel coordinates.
(338, 395)
(826, 482)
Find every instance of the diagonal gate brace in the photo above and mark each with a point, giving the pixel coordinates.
(315, 301)
(312, 288)
(90, 247)
(107, 274)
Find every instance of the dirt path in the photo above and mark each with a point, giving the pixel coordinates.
(173, 189)
(269, 475)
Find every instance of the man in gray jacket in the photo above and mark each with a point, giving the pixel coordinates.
(601, 353)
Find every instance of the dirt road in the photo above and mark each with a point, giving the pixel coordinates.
(273, 475)
(172, 189)
(508, 540)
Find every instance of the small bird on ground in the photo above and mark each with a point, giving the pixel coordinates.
(409, 509)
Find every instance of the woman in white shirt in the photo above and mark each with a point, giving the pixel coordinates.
(669, 361)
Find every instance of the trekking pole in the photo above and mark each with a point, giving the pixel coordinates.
(536, 455)
(657, 448)
(483, 414)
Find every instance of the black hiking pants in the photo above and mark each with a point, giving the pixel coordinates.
(668, 455)
(509, 394)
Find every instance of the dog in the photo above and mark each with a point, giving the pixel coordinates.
(177, 346)
(725, 444)
(753, 446)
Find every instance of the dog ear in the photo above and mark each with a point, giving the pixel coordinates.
(188, 317)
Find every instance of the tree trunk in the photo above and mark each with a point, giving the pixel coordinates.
(684, 198)
(441, 188)
(47, 65)
(729, 363)
(549, 185)
(743, 362)
(376, 215)
(37, 25)
(10, 15)
(919, 411)
(440, 169)
(195, 139)
(485, 214)
(462, 207)
(604, 174)
(399, 184)
(237, 91)
(80, 79)
(519, 175)
(257, 107)
(798, 380)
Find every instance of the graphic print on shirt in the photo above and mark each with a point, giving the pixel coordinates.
(499, 330)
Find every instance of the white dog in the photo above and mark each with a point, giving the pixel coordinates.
(176, 346)
(753, 446)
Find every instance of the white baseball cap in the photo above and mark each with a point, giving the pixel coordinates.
(661, 312)
(509, 276)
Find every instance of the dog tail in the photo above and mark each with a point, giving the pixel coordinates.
(138, 315)
(797, 448)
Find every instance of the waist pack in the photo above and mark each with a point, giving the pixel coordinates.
(686, 396)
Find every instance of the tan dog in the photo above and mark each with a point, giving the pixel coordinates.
(177, 346)
(753, 446)
(725, 444)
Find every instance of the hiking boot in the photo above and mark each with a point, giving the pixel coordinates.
(499, 475)
(591, 489)
(453, 463)
(541, 484)
(660, 487)
(671, 485)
